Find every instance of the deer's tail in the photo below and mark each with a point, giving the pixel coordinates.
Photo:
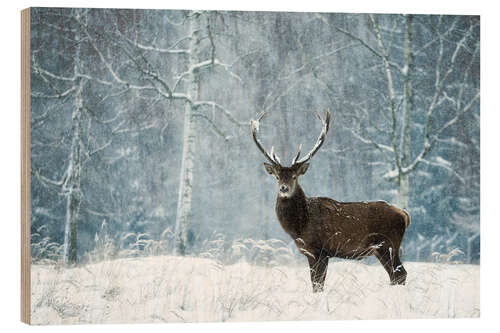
(404, 214)
(406, 217)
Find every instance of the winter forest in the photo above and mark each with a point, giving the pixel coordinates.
(141, 142)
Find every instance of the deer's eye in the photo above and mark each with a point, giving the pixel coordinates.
(277, 178)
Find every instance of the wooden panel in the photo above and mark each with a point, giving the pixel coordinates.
(25, 168)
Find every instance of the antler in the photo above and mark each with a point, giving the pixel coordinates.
(298, 155)
(319, 142)
(254, 124)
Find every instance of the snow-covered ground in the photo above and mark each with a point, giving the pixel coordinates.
(184, 289)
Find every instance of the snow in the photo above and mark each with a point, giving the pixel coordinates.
(390, 174)
(442, 161)
(186, 289)
(159, 212)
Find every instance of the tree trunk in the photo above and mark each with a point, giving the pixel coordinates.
(71, 185)
(189, 142)
(403, 196)
(404, 181)
(408, 90)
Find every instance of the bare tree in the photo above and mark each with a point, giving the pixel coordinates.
(196, 62)
(135, 120)
(58, 92)
(70, 183)
(397, 56)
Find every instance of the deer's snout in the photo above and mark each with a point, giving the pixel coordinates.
(284, 189)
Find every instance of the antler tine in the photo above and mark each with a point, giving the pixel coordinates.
(254, 124)
(274, 156)
(262, 115)
(318, 115)
(298, 155)
(319, 142)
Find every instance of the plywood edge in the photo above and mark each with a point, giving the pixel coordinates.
(25, 169)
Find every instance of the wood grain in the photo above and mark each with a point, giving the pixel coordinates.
(25, 168)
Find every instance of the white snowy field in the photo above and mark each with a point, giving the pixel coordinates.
(184, 289)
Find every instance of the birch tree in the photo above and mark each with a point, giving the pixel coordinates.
(191, 105)
(136, 121)
(183, 215)
(197, 49)
(64, 87)
(69, 184)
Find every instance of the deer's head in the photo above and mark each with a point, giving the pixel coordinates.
(287, 177)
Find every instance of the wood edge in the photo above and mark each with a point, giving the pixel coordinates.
(25, 169)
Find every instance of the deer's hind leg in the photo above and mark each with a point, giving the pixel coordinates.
(384, 257)
(399, 270)
(386, 249)
(389, 258)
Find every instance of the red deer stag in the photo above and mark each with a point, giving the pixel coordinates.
(323, 228)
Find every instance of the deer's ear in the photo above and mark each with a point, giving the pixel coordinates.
(269, 168)
(302, 169)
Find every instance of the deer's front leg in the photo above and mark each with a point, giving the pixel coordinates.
(318, 266)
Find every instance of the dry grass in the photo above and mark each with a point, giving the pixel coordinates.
(187, 289)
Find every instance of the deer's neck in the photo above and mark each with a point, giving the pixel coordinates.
(292, 212)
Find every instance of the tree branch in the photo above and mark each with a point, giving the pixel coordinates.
(214, 125)
(224, 111)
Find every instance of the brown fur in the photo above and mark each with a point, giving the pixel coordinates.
(323, 228)
(407, 218)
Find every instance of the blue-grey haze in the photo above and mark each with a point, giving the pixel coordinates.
(121, 64)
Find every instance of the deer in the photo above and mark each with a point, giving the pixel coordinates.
(323, 228)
